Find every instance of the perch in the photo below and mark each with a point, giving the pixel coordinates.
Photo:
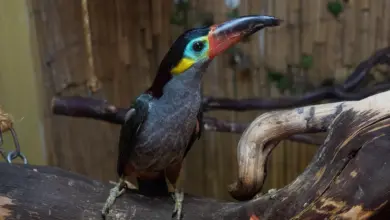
(347, 178)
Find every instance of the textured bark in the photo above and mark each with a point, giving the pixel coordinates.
(347, 178)
(268, 129)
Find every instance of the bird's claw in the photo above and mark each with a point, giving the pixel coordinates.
(178, 196)
(115, 192)
(129, 185)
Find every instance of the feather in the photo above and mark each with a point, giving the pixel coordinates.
(135, 117)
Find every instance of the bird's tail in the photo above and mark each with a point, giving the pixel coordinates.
(153, 187)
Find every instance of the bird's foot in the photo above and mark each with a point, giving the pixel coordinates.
(128, 184)
(178, 196)
(115, 192)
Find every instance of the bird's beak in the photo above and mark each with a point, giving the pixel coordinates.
(222, 36)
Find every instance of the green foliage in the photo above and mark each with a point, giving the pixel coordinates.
(281, 81)
(275, 76)
(284, 84)
(306, 61)
(335, 7)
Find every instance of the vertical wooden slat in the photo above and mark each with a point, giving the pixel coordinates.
(320, 30)
(349, 34)
(386, 24)
(156, 16)
(364, 27)
(308, 19)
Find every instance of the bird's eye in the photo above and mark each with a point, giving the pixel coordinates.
(198, 46)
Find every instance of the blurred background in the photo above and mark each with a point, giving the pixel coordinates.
(111, 50)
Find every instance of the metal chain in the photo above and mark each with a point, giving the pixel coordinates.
(12, 155)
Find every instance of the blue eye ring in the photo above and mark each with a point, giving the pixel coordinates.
(196, 49)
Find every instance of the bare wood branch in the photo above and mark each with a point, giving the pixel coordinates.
(77, 106)
(340, 183)
(268, 129)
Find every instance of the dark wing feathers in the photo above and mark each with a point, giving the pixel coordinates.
(195, 135)
(129, 130)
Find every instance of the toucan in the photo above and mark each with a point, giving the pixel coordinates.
(166, 119)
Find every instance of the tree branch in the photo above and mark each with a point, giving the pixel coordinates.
(347, 178)
(76, 106)
(266, 130)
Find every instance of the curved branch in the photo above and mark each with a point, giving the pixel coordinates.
(379, 57)
(266, 131)
(77, 106)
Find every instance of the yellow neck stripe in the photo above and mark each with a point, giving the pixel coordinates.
(182, 66)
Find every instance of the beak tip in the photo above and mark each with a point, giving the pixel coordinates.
(273, 21)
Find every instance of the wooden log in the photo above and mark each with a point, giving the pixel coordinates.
(347, 179)
(40, 192)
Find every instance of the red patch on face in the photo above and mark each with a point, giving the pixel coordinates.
(219, 43)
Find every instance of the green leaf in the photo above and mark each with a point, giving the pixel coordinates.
(306, 61)
(284, 84)
(335, 7)
(275, 76)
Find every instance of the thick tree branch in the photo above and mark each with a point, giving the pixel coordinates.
(266, 130)
(77, 106)
(347, 178)
(337, 92)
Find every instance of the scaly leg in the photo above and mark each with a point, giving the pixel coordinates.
(172, 173)
(178, 196)
(115, 192)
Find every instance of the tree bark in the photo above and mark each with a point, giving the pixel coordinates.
(347, 178)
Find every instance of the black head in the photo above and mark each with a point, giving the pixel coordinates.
(175, 61)
(203, 44)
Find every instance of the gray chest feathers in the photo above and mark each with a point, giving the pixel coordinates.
(172, 118)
